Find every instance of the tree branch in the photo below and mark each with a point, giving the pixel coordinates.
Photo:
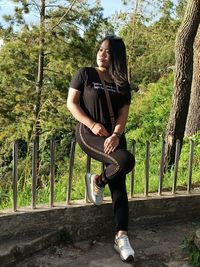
(36, 5)
(60, 20)
(47, 69)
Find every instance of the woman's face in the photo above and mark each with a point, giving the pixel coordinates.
(103, 55)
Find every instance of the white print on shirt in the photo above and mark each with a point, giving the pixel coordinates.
(99, 86)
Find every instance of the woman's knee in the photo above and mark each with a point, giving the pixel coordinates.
(126, 161)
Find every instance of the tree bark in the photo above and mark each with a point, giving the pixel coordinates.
(134, 26)
(193, 119)
(40, 74)
(40, 78)
(183, 79)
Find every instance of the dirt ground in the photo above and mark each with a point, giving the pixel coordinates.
(155, 246)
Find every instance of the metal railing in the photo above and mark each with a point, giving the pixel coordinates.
(88, 168)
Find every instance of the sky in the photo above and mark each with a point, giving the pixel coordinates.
(110, 7)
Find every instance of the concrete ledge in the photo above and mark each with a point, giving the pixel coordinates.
(86, 220)
(80, 221)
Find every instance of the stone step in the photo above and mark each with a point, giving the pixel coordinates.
(155, 246)
(26, 232)
(19, 248)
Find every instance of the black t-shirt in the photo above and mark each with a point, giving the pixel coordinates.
(93, 100)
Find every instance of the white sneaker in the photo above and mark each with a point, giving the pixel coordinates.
(95, 192)
(123, 247)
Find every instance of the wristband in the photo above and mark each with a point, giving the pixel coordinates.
(92, 126)
(118, 134)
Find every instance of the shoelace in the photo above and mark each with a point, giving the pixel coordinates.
(98, 190)
(124, 242)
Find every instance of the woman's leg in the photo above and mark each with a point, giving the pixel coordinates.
(118, 163)
(120, 203)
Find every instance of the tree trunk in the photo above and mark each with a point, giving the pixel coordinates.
(193, 119)
(40, 74)
(40, 78)
(134, 26)
(183, 79)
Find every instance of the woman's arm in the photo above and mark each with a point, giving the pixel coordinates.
(74, 107)
(112, 141)
(121, 120)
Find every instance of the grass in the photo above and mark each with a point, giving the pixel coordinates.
(193, 252)
(78, 184)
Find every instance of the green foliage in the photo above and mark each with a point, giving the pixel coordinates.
(180, 8)
(192, 250)
(68, 46)
(150, 38)
(149, 111)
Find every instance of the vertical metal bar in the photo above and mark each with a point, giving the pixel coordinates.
(161, 175)
(146, 186)
(88, 169)
(71, 167)
(102, 167)
(177, 155)
(88, 164)
(132, 180)
(15, 174)
(190, 166)
(52, 171)
(34, 174)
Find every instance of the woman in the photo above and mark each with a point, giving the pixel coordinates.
(87, 103)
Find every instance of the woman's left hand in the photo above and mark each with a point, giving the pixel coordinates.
(111, 143)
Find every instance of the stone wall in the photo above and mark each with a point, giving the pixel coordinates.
(82, 221)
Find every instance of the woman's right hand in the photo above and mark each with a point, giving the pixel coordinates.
(99, 129)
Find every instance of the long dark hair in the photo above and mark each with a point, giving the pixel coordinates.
(118, 66)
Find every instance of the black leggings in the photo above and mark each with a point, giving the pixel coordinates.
(118, 164)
